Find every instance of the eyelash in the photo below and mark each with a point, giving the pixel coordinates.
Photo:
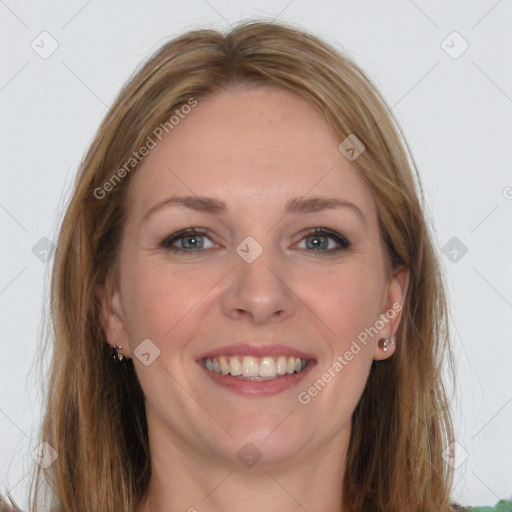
(343, 242)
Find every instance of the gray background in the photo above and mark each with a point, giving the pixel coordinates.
(455, 108)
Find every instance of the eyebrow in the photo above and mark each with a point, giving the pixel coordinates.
(217, 207)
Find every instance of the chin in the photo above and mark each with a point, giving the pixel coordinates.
(263, 442)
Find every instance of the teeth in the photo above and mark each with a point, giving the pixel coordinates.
(253, 368)
(281, 365)
(235, 367)
(250, 367)
(267, 367)
(224, 366)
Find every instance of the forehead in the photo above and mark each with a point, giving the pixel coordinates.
(243, 144)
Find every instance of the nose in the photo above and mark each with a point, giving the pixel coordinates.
(259, 292)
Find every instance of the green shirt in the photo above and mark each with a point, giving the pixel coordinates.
(501, 506)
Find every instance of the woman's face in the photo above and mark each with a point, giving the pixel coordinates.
(251, 289)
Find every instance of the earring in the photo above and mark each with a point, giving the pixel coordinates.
(115, 356)
(386, 342)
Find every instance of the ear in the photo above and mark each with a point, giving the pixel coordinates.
(392, 313)
(112, 317)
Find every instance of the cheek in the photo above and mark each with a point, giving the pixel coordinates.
(158, 298)
(346, 299)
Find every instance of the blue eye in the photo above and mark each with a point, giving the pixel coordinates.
(319, 241)
(192, 240)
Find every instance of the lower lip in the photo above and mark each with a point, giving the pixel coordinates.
(258, 388)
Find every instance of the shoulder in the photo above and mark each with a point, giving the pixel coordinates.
(501, 506)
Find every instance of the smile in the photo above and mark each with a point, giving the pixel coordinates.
(255, 368)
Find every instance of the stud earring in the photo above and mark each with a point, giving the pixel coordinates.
(386, 342)
(115, 356)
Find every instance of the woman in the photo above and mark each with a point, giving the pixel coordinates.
(247, 304)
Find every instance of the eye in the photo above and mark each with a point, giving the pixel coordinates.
(189, 240)
(320, 240)
(192, 240)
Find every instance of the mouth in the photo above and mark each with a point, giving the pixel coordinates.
(256, 371)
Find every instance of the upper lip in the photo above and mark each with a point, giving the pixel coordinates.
(255, 349)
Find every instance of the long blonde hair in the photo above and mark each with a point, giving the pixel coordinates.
(95, 417)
